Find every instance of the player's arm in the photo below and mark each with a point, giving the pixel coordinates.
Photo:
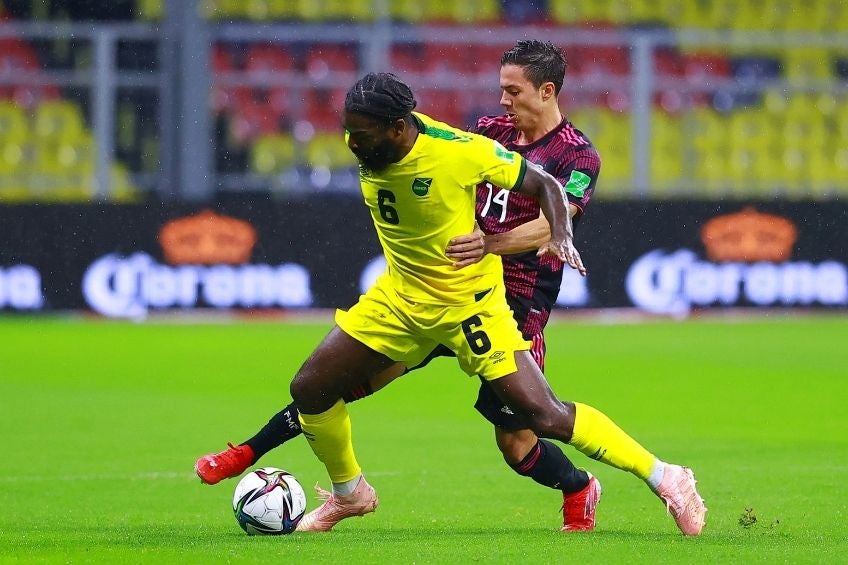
(551, 195)
(470, 248)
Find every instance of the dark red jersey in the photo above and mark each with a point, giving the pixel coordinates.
(532, 283)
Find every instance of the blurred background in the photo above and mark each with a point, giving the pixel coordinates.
(175, 105)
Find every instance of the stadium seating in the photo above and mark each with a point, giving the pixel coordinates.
(733, 119)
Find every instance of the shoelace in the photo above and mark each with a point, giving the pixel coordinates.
(231, 455)
(323, 495)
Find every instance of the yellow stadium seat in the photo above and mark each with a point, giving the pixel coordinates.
(839, 170)
(310, 10)
(565, 11)
(261, 10)
(14, 157)
(406, 10)
(78, 156)
(596, 11)
(610, 134)
(150, 9)
(753, 127)
(807, 64)
(14, 164)
(14, 123)
(330, 151)
(626, 12)
(476, 11)
(688, 14)
(58, 120)
(667, 153)
(705, 128)
(272, 154)
(357, 10)
(710, 170)
(224, 9)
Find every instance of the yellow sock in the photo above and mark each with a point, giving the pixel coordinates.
(598, 437)
(330, 438)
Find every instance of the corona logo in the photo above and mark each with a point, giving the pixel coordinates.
(207, 238)
(749, 236)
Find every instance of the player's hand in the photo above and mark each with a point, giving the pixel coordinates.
(466, 249)
(566, 252)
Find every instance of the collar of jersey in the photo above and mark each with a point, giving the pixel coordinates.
(422, 128)
(544, 139)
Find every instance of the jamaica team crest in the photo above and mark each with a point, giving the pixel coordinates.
(421, 186)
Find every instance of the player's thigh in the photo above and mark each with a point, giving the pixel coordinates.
(338, 364)
(485, 337)
(376, 321)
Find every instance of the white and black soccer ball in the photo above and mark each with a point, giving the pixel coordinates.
(269, 501)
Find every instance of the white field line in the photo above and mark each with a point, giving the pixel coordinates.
(148, 476)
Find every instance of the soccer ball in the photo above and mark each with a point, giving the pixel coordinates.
(269, 501)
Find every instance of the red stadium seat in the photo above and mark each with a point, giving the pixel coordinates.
(443, 105)
(407, 57)
(323, 108)
(252, 119)
(668, 62)
(264, 57)
(321, 60)
(701, 67)
(451, 58)
(485, 59)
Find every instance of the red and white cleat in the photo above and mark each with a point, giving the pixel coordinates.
(578, 508)
(229, 463)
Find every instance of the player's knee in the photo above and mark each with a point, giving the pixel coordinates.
(301, 390)
(554, 420)
(515, 445)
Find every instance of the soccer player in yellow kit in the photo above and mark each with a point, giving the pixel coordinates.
(418, 179)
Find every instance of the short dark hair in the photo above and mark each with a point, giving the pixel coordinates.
(380, 95)
(542, 62)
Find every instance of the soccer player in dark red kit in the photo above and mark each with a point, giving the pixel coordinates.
(512, 226)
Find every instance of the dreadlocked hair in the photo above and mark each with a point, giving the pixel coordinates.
(380, 95)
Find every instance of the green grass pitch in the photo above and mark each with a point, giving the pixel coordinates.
(102, 422)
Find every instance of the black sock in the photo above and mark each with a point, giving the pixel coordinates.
(282, 427)
(547, 465)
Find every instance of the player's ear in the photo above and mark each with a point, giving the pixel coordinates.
(548, 90)
(398, 127)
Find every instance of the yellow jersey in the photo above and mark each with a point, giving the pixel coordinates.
(427, 198)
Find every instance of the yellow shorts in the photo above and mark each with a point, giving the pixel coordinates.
(484, 334)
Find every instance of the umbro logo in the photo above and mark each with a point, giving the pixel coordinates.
(497, 357)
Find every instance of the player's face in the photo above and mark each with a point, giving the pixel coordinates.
(374, 144)
(522, 101)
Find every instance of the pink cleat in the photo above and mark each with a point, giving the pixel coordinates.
(578, 508)
(361, 501)
(231, 462)
(682, 500)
